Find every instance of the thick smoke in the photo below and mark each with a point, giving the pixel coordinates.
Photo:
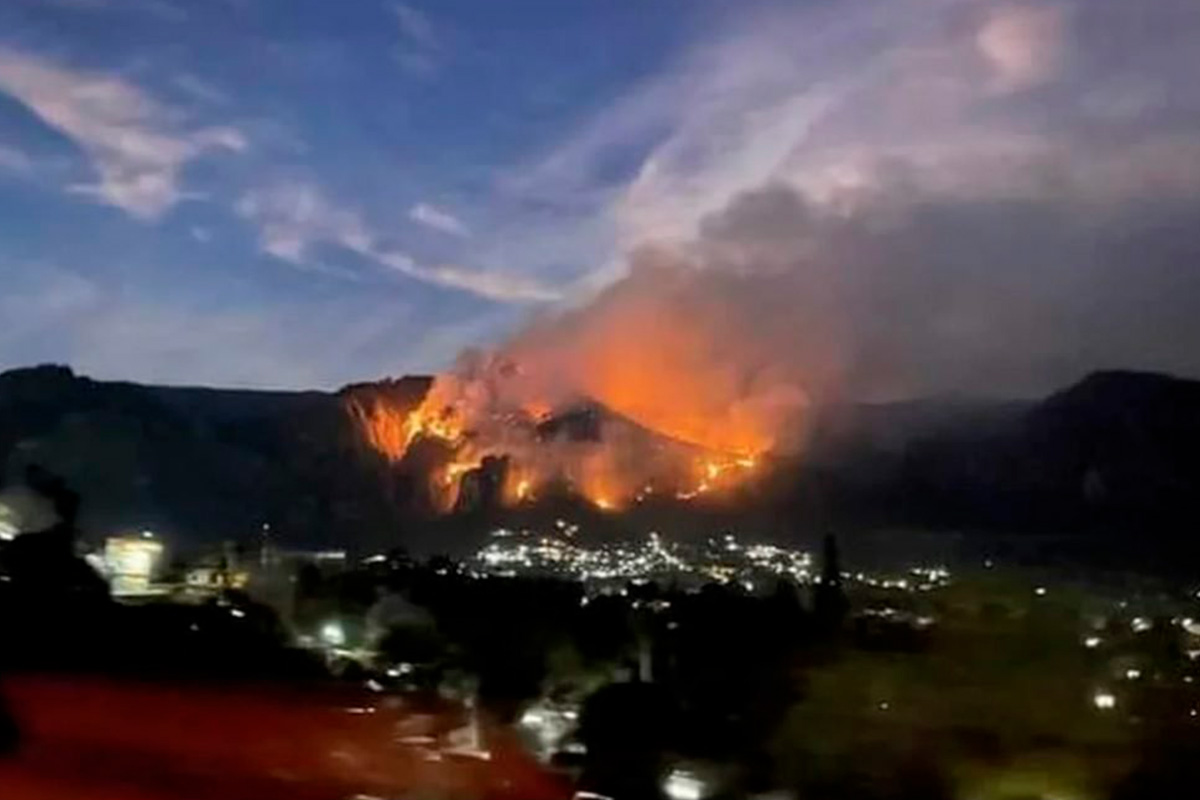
(779, 303)
(894, 199)
(883, 200)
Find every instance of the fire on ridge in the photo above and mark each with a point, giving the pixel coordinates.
(585, 448)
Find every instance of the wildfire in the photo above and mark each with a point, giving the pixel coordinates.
(435, 423)
(624, 465)
(717, 473)
(456, 469)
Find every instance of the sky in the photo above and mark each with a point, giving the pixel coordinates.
(886, 196)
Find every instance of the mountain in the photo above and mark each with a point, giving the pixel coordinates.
(1116, 458)
(202, 465)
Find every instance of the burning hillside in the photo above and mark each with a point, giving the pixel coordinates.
(473, 442)
(667, 383)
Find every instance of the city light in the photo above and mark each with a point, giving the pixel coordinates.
(608, 566)
(683, 785)
(1104, 700)
(1092, 642)
(333, 634)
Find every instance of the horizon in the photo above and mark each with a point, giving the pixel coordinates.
(873, 201)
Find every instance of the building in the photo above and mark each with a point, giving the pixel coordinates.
(131, 562)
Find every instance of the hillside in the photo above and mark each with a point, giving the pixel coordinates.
(1115, 457)
(199, 465)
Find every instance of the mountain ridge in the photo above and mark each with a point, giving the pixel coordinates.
(1115, 451)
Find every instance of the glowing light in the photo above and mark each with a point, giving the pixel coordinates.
(683, 785)
(333, 634)
(1092, 642)
(457, 469)
(131, 562)
(1040, 591)
(1141, 624)
(523, 490)
(1104, 701)
(1132, 674)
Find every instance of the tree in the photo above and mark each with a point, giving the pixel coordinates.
(829, 600)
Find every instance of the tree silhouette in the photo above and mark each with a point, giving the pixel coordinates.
(829, 598)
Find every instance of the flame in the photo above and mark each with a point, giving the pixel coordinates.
(391, 432)
(437, 423)
(456, 469)
(538, 410)
(464, 415)
(718, 473)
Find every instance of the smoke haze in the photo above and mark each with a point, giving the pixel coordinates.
(892, 200)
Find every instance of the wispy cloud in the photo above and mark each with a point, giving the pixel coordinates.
(293, 217)
(200, 89)
(433, 217)
(420, 47)
(137, 145)
(988, 99)
(893, 197)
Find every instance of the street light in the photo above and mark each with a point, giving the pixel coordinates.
(333, 634)
(683, 785)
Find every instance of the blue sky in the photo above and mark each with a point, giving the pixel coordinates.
(302, 193)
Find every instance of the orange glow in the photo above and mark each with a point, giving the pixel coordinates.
(391, 431)
(465, 415)
(456, 469)
(652, 351)
(433, 423)
(718, 473)
(538, 410)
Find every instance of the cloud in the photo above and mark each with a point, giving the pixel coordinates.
(834, 99)
(1024, 44)
(294, 217)
(137, 146)
(14, 160)
(420, 48)
(200, 89)
(887, 199)
(439, 220)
